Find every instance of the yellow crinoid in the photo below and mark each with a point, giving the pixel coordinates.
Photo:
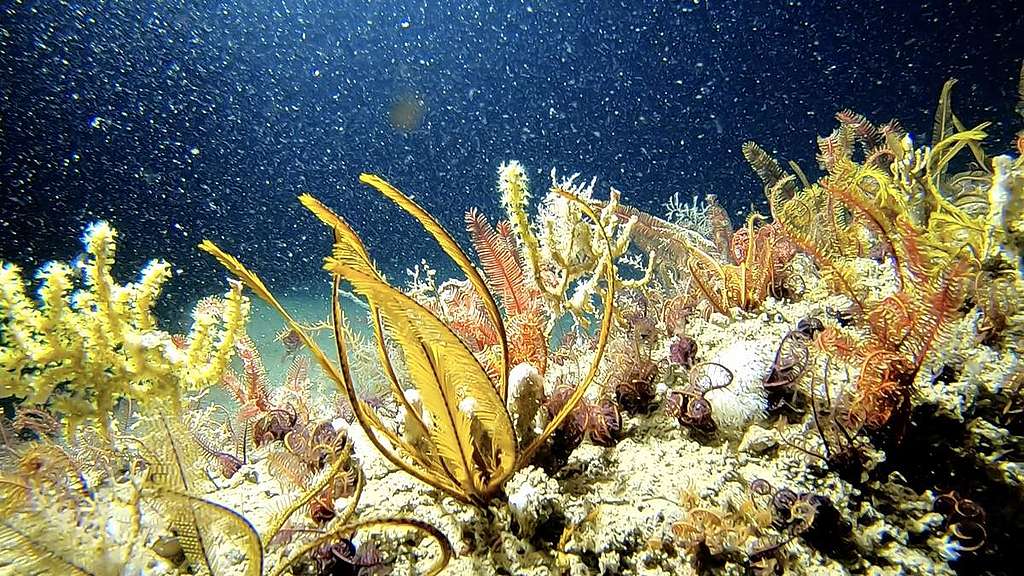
(465, 442)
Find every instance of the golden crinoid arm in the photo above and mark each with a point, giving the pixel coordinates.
(342, 230)
(756, 273)
(602, 339)
(710, 277)
(448, 244)
(949, 137)
(947, 124)
(470, 432)
(206, 530)
(339, 373)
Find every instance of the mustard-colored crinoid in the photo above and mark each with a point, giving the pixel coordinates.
(744, 284)
(467, 446)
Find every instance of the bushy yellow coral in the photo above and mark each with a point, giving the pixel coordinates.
(79, 350)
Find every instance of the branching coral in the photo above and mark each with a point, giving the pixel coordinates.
(565, 253)
(666, 241)
(96, 507)
(469, 447)
(80, 350)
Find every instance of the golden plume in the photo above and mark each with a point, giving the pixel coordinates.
(469, 448)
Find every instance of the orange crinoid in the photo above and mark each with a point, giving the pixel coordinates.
(855, 211)
(759, 254)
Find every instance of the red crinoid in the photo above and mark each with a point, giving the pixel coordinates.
(274, 425)
(504, 272)
(249, 388)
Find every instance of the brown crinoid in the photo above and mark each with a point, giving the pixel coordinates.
(636, 391)
(689, 404)
(596, 420)
(634, 376)
(274, 425)
(792, 358)
(683, 351)
(964, 518)
(842, 449)
(634, 373)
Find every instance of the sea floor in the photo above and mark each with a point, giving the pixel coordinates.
(668, 500)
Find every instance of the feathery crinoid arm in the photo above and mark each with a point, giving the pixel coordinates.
(417, 461)
(451, 248)
(502, 269)
(470, 432)
(767, 168)
(710, 277)
(468, 424)
(208, 532)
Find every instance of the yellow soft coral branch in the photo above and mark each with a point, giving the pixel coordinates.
(81, 350)
(153, 278)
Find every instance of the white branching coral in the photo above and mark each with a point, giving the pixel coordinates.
(564, 251)
(692, 216)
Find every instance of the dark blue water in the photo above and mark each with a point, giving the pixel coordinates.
(182, 120)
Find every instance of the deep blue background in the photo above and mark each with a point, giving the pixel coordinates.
(182, 120)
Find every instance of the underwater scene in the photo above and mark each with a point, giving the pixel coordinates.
(322, 288)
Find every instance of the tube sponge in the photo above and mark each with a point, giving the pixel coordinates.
(744, 400)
